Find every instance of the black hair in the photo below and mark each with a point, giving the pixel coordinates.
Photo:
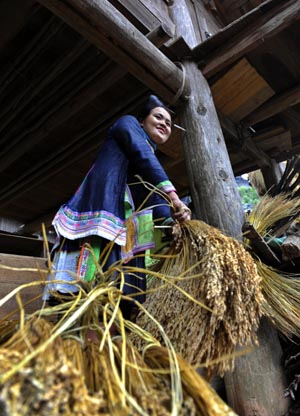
(152, 102)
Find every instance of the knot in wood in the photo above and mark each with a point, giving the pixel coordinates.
(223, 175)
(201, 110)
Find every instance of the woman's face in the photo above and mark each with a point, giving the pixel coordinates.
(158, 125)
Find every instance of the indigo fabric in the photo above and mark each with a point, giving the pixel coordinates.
(97, 208)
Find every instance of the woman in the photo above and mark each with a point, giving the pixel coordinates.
(111, 204)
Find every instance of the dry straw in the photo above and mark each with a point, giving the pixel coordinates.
(49, 367)
(281, 290)
(217, 273)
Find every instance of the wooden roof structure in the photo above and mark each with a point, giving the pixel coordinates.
(69, 68)
(61, 89)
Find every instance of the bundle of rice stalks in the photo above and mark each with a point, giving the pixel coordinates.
(209, 402)
(45, 385)
(281, 290)
(257, 182)
(209, 300)
(270, 212)
(51, 368)
(282, 294)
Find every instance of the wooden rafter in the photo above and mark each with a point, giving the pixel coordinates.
(258, 31)
(245, 144)
(105, 27)
(63, 157)
(102, 78)
(274, 106)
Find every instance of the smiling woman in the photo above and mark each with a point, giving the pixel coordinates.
(107, 205)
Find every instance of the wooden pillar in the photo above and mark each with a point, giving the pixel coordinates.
(179, 11)
(213, 188)
(271, 174)
(256, 386)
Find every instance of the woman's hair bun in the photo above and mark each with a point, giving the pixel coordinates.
(151, 102)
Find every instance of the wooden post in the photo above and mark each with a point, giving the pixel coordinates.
(213, 188)
(217, 202)
(180, 12)
(256, 386)
(271, 174)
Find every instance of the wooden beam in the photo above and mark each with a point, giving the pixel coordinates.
(213, 188)
(257, 384)
(143, 14)
(260, 30)
(137, 10)
(273, 140)
(261, 158)
(230, 128)
(105, 27)
(67, 155)
(20, 106)
(161, 34)
(83, 94)
(103, 77)
(243, 142)
(181, 16)
(217, 202)
(274, 106)
(228, 32)
(271, 174)
(13, 16)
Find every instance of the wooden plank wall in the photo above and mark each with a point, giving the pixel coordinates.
(11, 279)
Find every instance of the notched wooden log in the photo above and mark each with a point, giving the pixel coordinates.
(260, 246)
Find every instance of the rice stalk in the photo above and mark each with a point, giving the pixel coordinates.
(270, 210)
(56, 381)
(50, 357)
(50, 385)
(215, 271)
(50, 368)
(282, 294)
(208, 403)
(281, 290)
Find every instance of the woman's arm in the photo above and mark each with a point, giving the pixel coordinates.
(131, 138)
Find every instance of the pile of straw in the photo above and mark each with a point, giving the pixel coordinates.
(270, 211)
(48, 384)
(50, 367)
(281, 290)
(209, 300)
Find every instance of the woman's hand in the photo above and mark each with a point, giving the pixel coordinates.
(181, 211)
